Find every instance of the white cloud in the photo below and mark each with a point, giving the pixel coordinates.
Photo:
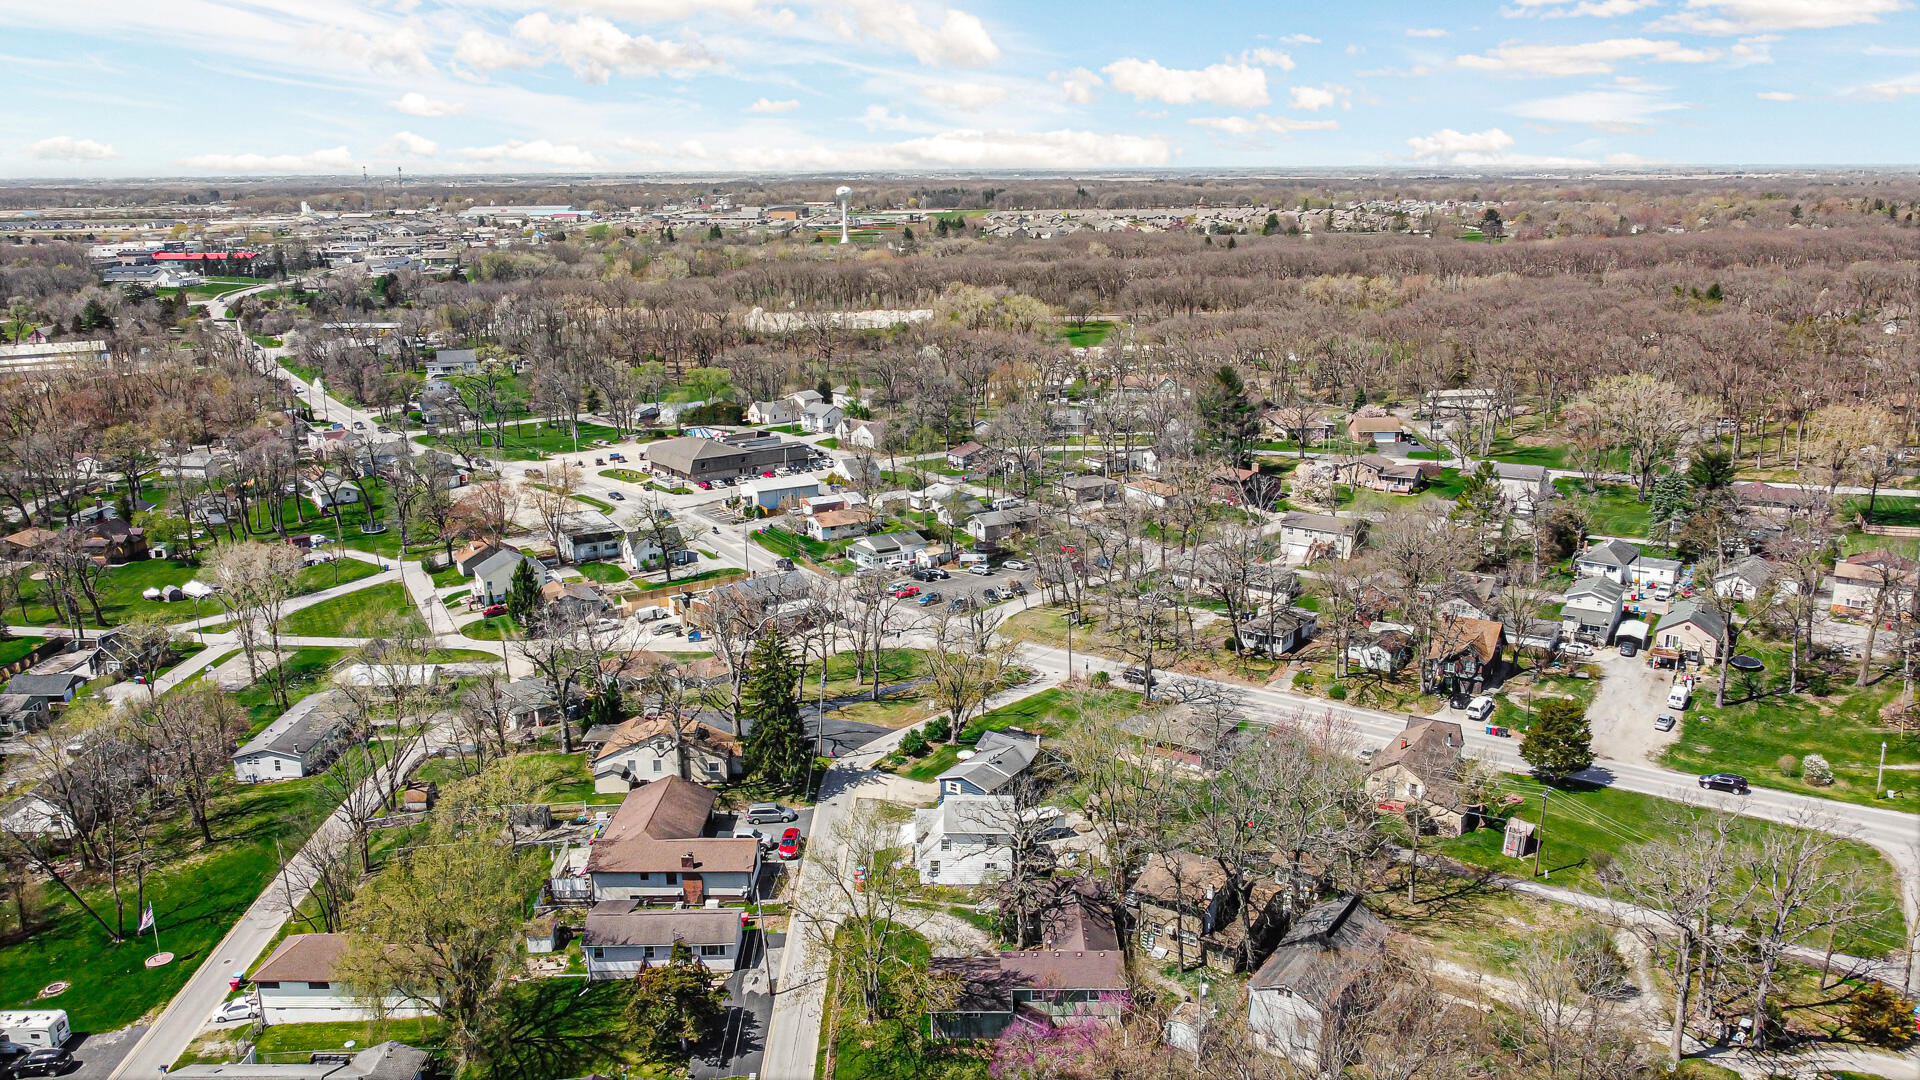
(1262, 124)
(692, 148)
(391, 50)
(1748, 16)
(1426, 32)
(1590, 58)
(1754, 50)
(878, 118)
(537, 152)
(319, 161)
(1776, 95)
(765, 105)
(407, 144)
(1608, 110)
(595, 48)
(964, 95)
(967, 149)
(1300, 39)
(961, 39)
(1272, 58)
(1222, 84)
(1450, 145)
(415, 103)
(1078, 85)
(1312, 98)
(1560, 9)
(68, 148)
(484, 52)
(1890, 89)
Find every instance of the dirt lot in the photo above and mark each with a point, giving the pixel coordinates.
(1631, 695)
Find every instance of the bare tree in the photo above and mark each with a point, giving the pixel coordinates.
(968, 662)
(1804, 886)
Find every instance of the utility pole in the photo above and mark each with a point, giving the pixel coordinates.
(1540, 833)
(1880, 777)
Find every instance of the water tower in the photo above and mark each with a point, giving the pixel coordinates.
(842, 193)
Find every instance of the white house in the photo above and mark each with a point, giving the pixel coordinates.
(301, 742)
(1287, 998)
(621, 939)
(493, 575)
(821, 418)
(1648, 572)
(965, 840)
(1859, 580)
(1306, 537)
(643, 750)
(297, 985)
(772, 413)
(887, 549)
(860, 434)
(587, 535)
(1745, 579)
(329, 491)
(1592, 610)
(1610, 559)
(33, 815)
(1528, 488)
(1276, 629)
(997, 759)
(453, 362)
(656, 849)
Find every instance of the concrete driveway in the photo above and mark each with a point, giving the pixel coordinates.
(1631, 695)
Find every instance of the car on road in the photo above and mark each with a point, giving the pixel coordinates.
(494, 610)
(929, 598)
(359, 425)
(385, 430)
(1138, 677)
(616, 496)
(905, 591)
(981, 569)
(766, 811)
(48, 1061)
(237, 1009)
(1725, 781)
(1014, 564)
(790, 844)
(1663, 722)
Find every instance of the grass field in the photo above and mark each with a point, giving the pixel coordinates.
(627, 476)
(307, 671)
(16, 648)
(601, 505)
(604, 572)
(895, 1048)
(1092, 333)
(353, 614)
(1750, 737)
(197, 894)
(535, 440)
(492, 629)
(1583, 820)
(1615, 509)
(1046, 712)
(120, 588)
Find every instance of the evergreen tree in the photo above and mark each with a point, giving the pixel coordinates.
(1271, 226)
(1228, 415)
(606, 707)
(1667, 506)
(1482, 505)
(906, 236)
(523, 594)
(675, 1006)
(1560, 741)
(1711, 470)
(713, 233)
(776, 749)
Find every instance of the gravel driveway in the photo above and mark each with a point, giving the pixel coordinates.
(1631, 694)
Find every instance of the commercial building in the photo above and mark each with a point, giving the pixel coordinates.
(743, 454)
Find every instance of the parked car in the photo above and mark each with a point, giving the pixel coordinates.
(706, 485)
(494, 610)
(1479, 709)
(616, 496)
(616, 456)
(1663, 594)
(237, 1009)
(359, 425)
(1663, 722)
(1017, 589)
(1138, 677)
(766, 811)
(938, 574)
(666, 628)
(905, 591)
(1577, 648)
(929, 598)
(1629, 647)
(790, 844)
(981, 569)
(50, 1061)
(960, 603)
(1725, 781)
(922, 575)
(1459, 701)
(768, 475)
(1014, 564)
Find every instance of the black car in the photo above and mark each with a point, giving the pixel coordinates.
(922, 575)
(1138, 677)
(1459, 701)
(1725, 781)
(49, 1062)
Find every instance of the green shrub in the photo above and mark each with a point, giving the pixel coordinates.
(914, 744)
(1881, 1017)
(1788, 765)
(1338, 691)
(1101, 678)
(1302, 680)
(939, 729)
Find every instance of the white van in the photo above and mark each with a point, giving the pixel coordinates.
(1479, 709)
(1678, 697)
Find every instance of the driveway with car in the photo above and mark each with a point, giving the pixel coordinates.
(1631, 697)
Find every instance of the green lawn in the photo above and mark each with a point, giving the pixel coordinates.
(448, 578)
(1582, 820)
(795, 546)
(493, 629)
(1615, 510)
(197, 895)
(308, 671)
(535, 440)
(684, 579)
(601, 505)
(266, 342)
(895, 1048)
(604, 572)
(120, 588)
(1750, 737)
(828, 444)
(1093, 332)
(1046, 712)
(302, 372)
(16, 648)
(628, 476)
(295, 1042)
(352, 614)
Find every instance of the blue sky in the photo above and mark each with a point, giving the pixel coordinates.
(190, 87)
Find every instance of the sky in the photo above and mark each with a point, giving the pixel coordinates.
(226, 87)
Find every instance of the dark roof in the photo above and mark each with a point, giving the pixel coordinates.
(303, 958)
(313, 719)
(1609, 553)
(1326, 931)
(659, 926)
(45, 686)
(660, 823)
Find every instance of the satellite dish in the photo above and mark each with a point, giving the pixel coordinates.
(965, 755)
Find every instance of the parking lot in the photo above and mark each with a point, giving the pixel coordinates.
(1630, 697)
(963, 583)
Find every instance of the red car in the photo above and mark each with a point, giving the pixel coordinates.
(767, 475)
(906, 591)
(790, 844)
(495, 609)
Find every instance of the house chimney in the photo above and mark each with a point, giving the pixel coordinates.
(1403, 744)
(686, 861)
